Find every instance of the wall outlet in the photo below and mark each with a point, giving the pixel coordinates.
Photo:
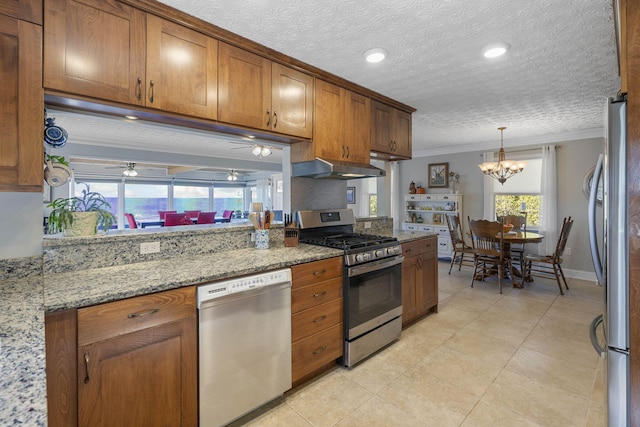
(253, 237)
(367, 224)
(149, 248)
(567, 251)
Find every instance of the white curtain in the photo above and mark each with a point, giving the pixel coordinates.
(489, 205)
(549, 200)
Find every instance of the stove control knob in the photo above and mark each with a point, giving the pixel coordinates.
(379, 253)
(359, 257)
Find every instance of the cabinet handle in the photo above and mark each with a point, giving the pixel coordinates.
(320, 318)
(420, 263)
(86, 367)
(268, 118)
(275, 120)
(342, 155)
(139, 89)
(144, 313)
(408, 250)
(348, 152)
(320, 350)
(151, 91)
(391, 145)
(320, 294)
(317, 273)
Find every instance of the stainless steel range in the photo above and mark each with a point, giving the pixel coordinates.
(372, 280)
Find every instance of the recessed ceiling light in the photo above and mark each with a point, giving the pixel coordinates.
(495, 50)
(376, 54)
(132, 117)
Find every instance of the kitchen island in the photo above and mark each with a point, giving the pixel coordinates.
(25, 301)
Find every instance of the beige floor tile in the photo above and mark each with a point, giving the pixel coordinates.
(280, 416)
(460, 369)
(544, 403)
(561, 373)
(564, 329)
(579, 352)
(597, 416)
(430, 399)
(450, 316)
(379, 413)
(329, 400)
(489, 415)
(486, 348)
(495, 325)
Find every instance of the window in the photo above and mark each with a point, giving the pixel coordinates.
(228, 198)
(521, 188)
(109, 191)
(145, 200)
(373, 205)
(190, 198)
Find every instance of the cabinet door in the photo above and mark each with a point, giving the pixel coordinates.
(182, 67)
(22, 106)
(357, 132)
(27, 10)
(292, 101)
(95, 48)
(427, 291)
(328, 136)
(401, 125)
(244, 88)
(381, 128)
(146, 378)
(410, 279)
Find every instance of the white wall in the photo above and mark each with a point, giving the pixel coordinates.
(574, 159)
(20, 225)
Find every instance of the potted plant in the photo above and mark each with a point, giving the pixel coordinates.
(80, 215)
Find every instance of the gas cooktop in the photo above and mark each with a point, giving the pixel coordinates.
(349, 241)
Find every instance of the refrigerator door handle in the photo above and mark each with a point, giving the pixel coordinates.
(593, 237)
(594, 338)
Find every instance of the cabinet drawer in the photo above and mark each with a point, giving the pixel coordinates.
(314, 272)
(117, 318)
(442, 231)
(314, 320)
(410, 249)
(311, 296)
(312, 353)
(428, 245)
(444, 245)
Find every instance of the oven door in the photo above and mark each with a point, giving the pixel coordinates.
(373, 295)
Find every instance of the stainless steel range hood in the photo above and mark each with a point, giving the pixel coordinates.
(332, 169)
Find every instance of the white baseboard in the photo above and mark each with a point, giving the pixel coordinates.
(580, 274)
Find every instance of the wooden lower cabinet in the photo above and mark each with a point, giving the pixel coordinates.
(135, 362)
(419, 279)
(316, 317)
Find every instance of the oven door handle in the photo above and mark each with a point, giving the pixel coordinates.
(374, 266)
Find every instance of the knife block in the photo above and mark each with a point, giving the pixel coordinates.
(291, 236)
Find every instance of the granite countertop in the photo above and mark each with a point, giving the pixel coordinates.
(407, 236)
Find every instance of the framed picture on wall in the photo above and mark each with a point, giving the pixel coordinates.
(438, 175)
(351, 195)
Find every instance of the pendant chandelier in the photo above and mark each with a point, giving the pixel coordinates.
(502, 169)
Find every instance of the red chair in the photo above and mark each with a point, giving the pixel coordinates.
(171, 219)
(206, 217)
(131, 220)
(163, 213)
(226, 216)
(192, 214)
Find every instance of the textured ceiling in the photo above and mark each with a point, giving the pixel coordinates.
(549, 87)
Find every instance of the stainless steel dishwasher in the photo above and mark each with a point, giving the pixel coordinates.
(244, 344)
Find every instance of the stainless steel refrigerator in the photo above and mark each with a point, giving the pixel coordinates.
(611, 265)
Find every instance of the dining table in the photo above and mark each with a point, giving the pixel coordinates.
(520, 237)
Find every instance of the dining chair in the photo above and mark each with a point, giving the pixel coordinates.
(460, 247)
(131, 220)
(488, 249)
(192, 214)
(226, 215)
(206, 217)
(172, 218)
(550, 266)
(519, 223)
(163, 213)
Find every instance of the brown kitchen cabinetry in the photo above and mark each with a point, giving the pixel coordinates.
(256, 92)
(135, 362)
(316, 317)
(419, 279)
(26, 10)
(22, 106)
(111, 51)
(341, 126)
(390, 132)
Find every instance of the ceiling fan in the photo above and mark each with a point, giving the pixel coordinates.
(258, 150)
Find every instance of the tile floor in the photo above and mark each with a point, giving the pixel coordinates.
(522, 358)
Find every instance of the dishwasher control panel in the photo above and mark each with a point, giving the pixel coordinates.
(219, 289)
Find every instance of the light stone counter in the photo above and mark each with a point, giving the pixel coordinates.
(407, 236)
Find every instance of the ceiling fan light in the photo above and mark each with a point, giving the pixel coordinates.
(266, 151)
(130, 172)
(257, 150)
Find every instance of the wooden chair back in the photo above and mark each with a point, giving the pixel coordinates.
(519, 221)
(486, 238)
(455, 230)
(567, 225)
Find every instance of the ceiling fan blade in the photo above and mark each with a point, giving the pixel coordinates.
(175, 170)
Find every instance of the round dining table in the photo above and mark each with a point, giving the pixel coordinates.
(520, 237)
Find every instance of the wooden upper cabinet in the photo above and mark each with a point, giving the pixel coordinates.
(22, 106)
(342, 125)
(255, 92)
(182, 67)
(95, 48)
(27, 10)
(390, 132)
